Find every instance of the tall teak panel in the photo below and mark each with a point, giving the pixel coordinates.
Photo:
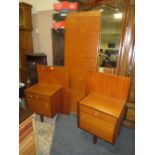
(25, 38)
(82, 31)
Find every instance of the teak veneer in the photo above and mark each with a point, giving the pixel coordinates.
(51, 94)
(82, 31)
(103, 108)
(27, 139)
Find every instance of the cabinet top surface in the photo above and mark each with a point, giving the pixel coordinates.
(25, 4)
(102, 103)
(35, 54)
(44, 89)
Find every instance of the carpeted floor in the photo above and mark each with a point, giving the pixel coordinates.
(70, 140)
(44, 133)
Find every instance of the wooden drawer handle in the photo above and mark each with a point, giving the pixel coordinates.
(30, 96)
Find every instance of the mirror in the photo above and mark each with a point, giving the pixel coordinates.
(111, 28)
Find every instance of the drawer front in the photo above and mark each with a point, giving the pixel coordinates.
(97, 126)
(98, 114)
(37, 96)
(39, 106)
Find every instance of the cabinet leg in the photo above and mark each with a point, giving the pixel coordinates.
(94, 139)
(41, 118)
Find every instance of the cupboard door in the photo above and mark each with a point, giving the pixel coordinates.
(82, 30)
(77, 86)
(25, 41)
(82, 39)
(22, 58)
(25, 18)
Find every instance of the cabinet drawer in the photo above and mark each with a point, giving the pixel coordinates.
(39, 106)
(97, 126)
(98, 114)
(37, 96)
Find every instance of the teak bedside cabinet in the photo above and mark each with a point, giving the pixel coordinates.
(102, 110)
(44, 99)
(51, 94)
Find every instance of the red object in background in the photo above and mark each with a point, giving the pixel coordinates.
(65, 5)
(57, 6)
(73, 6)
(58, 25)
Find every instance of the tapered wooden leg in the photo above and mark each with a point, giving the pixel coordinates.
(94, 139)
(41, 118)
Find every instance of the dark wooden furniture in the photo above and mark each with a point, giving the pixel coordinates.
(102, 110)
(33, 59)
(25, 19)
(129, 120)
(25, 38)
(51, 94)
(27, 140)
(82, 31)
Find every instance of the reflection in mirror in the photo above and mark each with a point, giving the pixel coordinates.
(110, 38)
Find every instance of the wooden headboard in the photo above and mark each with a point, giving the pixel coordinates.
(56, 75)
(108, 84)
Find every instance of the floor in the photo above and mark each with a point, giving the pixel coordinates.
(44, 134)
(69, 139)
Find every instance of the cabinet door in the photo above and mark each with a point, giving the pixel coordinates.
(22, 58)
(82, 39)
(77, 86)
(82, 30)
(25, 41)
(25, 18)
(25, 45)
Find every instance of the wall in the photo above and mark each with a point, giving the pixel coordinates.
(35, 33)
(104, 45)
(40, 5)
(42, 23)
(44, 34)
